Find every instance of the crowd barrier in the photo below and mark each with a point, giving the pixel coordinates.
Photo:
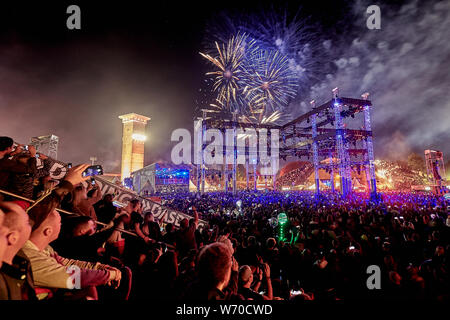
(123, 195)
(58, 171)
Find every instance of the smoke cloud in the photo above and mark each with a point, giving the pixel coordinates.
(404, 66)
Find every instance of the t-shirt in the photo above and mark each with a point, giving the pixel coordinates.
(248, 293)
(154, 232)
(105, 211)
(136, 217)
(169, 238)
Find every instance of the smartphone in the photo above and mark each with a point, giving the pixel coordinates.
(95, 170)
(25, 148)
(69, 165)
(296, 293)
(93, 181)
(37, 155)
(118, 204)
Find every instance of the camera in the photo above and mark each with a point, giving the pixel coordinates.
(25, 148)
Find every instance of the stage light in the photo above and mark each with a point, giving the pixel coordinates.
(138, 137)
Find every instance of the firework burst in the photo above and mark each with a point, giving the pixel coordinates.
(293, 35)
(270, 84)
(229, 62)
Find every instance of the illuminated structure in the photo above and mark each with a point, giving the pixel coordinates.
(47, 145)
(161, 178)
(282, 224)
(435, 170)
(321, 135)
(324, 131)
(133, 139)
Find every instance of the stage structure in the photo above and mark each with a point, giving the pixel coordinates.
(436, 171)
(133, 140)
(47, 145)
(161, 178)
(322, 133)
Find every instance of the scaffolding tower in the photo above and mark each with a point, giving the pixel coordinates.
(322, 134)
(47, 145)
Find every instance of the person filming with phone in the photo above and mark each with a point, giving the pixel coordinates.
(10, 167)
(246, 280)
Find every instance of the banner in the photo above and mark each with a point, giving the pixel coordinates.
(158, 210)
(58, 170)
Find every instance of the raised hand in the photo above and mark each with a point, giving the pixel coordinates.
(74, 175)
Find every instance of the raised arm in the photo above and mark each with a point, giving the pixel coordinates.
(195, 217)
(266, 271)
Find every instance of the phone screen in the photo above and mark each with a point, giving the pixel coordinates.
(93, 171)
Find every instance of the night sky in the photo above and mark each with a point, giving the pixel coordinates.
(128, 57)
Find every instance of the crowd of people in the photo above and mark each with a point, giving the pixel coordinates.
(73, 243)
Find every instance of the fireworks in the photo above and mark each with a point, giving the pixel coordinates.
(229, 67)
(262, 61)
(293, 35)
(269, 82)
(253, 81)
